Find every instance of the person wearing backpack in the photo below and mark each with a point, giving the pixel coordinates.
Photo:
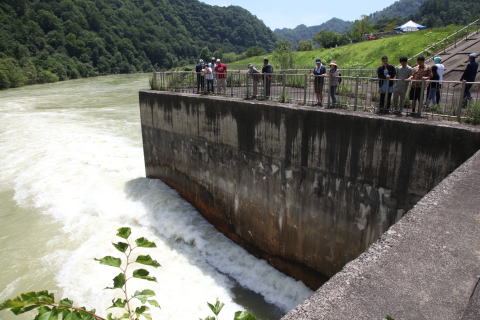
(319, 72)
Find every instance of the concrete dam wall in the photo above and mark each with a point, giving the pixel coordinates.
(308, 190)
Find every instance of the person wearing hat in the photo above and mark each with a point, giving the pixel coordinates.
(334, 81)
(267, 72)
(469, 75)
(199, 69)
(319, 72)
(255, 75)
(221, 72)
(441, 74)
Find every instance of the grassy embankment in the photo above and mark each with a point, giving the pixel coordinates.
(364, 54)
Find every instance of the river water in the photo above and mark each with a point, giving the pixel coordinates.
(72, 172)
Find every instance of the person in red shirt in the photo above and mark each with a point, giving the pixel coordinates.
(221, 73)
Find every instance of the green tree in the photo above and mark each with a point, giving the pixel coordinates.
(254, 51)
(205, 54)
(72, 39)
(305, 45)
(283, 54)
(230, 57)
(361, 28)
(327, 39)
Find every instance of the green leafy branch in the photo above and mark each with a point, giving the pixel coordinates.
(144, 297)
(48, 309)
(132, 307)
(217, 308)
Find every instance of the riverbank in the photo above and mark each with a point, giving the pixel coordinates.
(72, 158)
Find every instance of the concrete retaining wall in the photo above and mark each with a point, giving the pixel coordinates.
(308, 190)
(426, 266)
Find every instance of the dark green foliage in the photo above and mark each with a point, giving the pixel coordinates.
(401, 9)
(305, 45)
(49, 40)
(302, 32)
(254, 51)
(327, 39)
(434, 13)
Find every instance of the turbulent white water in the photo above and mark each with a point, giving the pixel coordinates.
(71, 173)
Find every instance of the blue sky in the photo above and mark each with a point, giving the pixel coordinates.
(282, 13)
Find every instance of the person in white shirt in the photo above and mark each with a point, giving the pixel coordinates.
(209, 77)
(441, 74)
(255, 76)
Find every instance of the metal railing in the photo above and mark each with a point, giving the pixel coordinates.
(445, 100)
(449, 42)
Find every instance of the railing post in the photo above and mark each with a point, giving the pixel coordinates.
(355, 102)
(231, 84)
(246, 84)
(461, 102)
(329, 98)
(422, 98)
(305, 88)
(284, 84)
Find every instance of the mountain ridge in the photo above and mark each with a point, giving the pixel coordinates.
(400, 9)
(303, 32)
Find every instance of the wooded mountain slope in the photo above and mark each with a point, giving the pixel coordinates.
(47, 40)
(434, 13)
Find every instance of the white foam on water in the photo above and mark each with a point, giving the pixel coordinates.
(83, 174)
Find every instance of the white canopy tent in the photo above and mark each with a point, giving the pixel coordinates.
(410, 26)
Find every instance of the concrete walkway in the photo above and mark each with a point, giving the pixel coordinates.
(426, 266)
(455, 58)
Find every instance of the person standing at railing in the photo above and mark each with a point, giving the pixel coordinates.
(334, 81)
(267, 72)
(212, 63)
(404, 71)
(200, 76)
(441, 74)
(255, 75)
(208, 71)
(319, 73)
(221, 72)
(420, 74)
(433, 87)
(385, 73)
(470, 75)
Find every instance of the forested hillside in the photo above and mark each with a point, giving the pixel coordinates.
(302, 32)
(444, 12)
(50, 40)
(399, 9)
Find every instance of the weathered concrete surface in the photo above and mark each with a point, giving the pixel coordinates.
(426, 266)
(473, 309)
(306, 189)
